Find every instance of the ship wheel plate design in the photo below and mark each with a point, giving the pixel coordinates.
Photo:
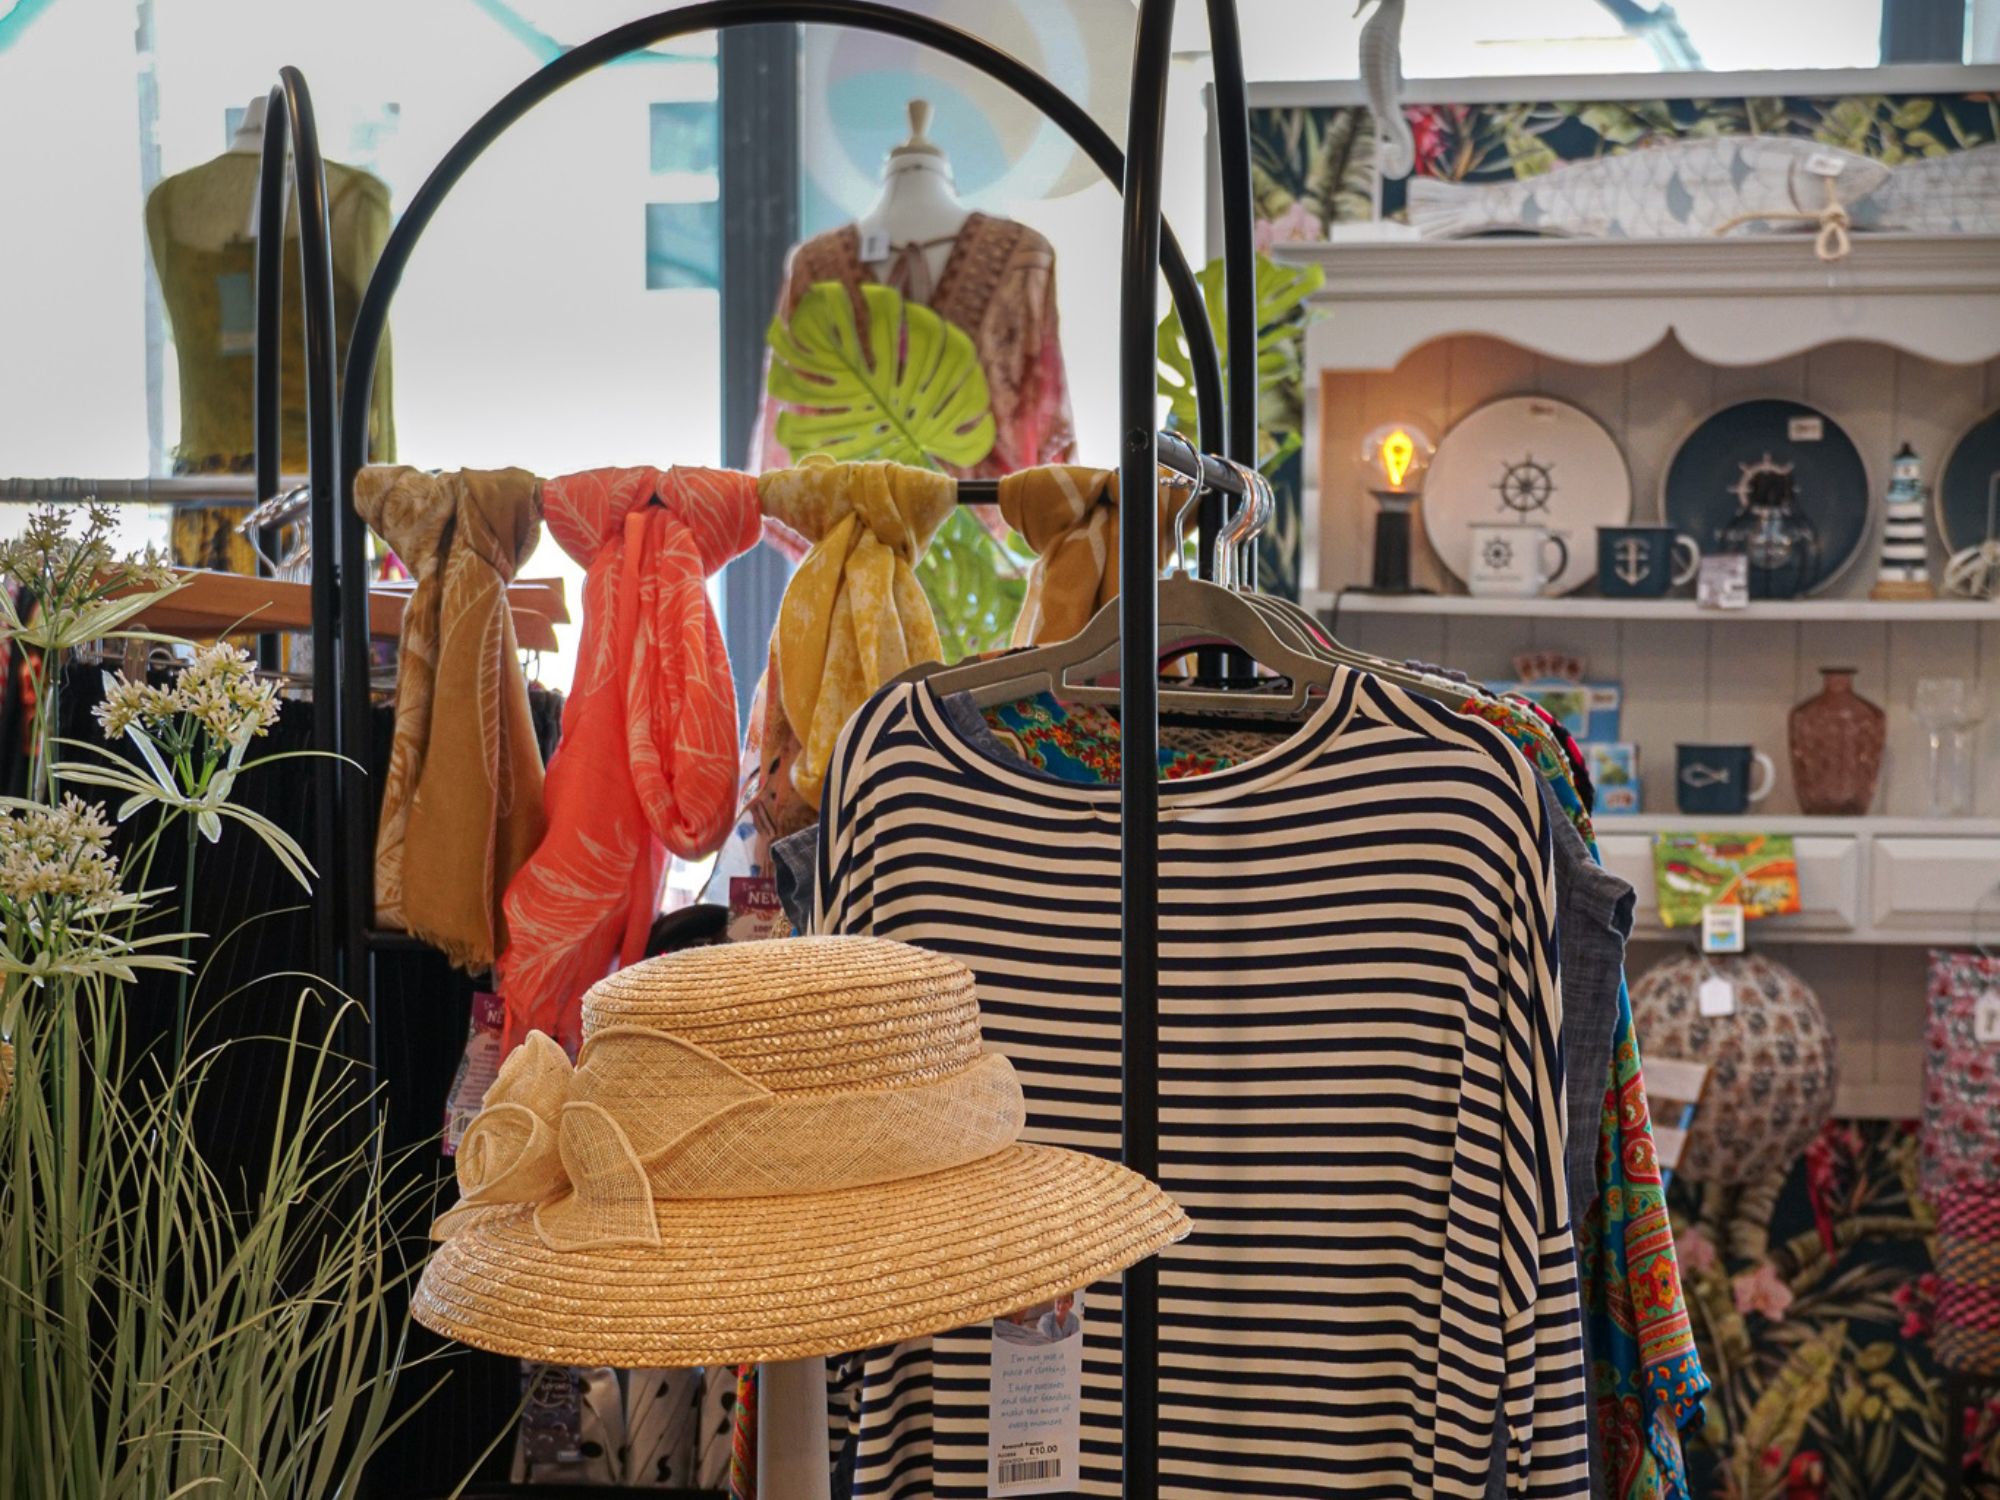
(1710, 470)
(1532, 459)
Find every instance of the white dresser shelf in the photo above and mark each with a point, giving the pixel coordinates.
(1555, 611)
(1742, 300)
(1883, 880)
(1874, 825)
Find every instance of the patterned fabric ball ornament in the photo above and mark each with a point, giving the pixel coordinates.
(1961, 1126)
(1968, 1269)
(1771, 1068)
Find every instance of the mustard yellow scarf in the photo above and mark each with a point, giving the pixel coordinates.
(1069, 516)
(853, 615)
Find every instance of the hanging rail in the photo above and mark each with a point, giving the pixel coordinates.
(1147, 249)
(1139, 721)
(1239, 252)
(289, 126)
(180, 489)
(371, 319)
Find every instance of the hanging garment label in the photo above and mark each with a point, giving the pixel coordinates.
(875, 244)
(478, 1066)
(551, 1415)
(1036, 1402)
(1722, 929)
(1986, 1019)
(1824, 164)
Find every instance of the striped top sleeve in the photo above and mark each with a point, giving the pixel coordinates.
(1361, 1081)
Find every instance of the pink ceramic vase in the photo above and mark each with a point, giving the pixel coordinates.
(1837, 737)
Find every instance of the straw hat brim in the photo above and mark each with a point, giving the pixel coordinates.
(743, 1280)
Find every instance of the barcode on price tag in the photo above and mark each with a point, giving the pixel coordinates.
(1035, 1405)
(1015, 1471)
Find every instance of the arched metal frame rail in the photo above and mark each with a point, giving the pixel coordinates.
(1139, 719)
(356, 822)
(340, 666)
(1239, 252)
(289, 123)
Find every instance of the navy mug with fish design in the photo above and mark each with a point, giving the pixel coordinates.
(1716, 778)
(1638, 562)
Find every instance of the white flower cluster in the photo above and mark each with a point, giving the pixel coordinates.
(59, 565)
(59, 853)
(219, 690)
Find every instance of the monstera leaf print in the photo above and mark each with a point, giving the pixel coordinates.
(908, 387)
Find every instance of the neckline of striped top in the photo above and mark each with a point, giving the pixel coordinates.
(1266, 769)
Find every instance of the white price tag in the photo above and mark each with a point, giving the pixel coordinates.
(1722, 928)
(1986, 1019)
(1036, 1402)
(1723, 582)
(875, 244)
(1824, 164)
(1716, 997)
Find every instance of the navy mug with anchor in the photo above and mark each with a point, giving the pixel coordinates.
(1716, 778)
(1638, 562)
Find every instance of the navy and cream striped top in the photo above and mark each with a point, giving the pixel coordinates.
(1361, 1094)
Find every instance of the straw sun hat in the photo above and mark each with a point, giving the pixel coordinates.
(767, 1151)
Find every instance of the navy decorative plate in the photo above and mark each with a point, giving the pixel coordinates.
(1708, 480)
(1966, 499)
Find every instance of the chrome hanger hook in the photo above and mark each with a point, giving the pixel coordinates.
(1243, 526)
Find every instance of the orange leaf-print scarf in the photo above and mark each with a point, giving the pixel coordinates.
(647, 763)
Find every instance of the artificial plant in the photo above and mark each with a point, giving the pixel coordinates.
(166, 1331)
(1281, 325)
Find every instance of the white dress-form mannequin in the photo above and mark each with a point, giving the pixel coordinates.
(249, 137)
(919, 205)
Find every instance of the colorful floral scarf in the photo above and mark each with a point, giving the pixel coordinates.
(647, 764)
(1646, 1378)
(1079, 741)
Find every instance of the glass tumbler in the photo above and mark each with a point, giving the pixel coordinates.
(1950, 711)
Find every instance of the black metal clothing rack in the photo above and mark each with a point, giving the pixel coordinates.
(336, 448)
(289, 125)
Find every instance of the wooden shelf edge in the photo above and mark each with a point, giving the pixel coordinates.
(1887, 611)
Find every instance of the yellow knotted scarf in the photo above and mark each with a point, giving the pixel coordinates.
(853, 615)
(1069, 516)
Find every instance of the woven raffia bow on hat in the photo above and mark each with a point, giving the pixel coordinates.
(645, 1116)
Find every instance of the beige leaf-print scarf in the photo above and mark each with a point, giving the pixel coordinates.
(462, 802)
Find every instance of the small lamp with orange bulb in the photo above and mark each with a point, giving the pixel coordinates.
(1395, 457)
